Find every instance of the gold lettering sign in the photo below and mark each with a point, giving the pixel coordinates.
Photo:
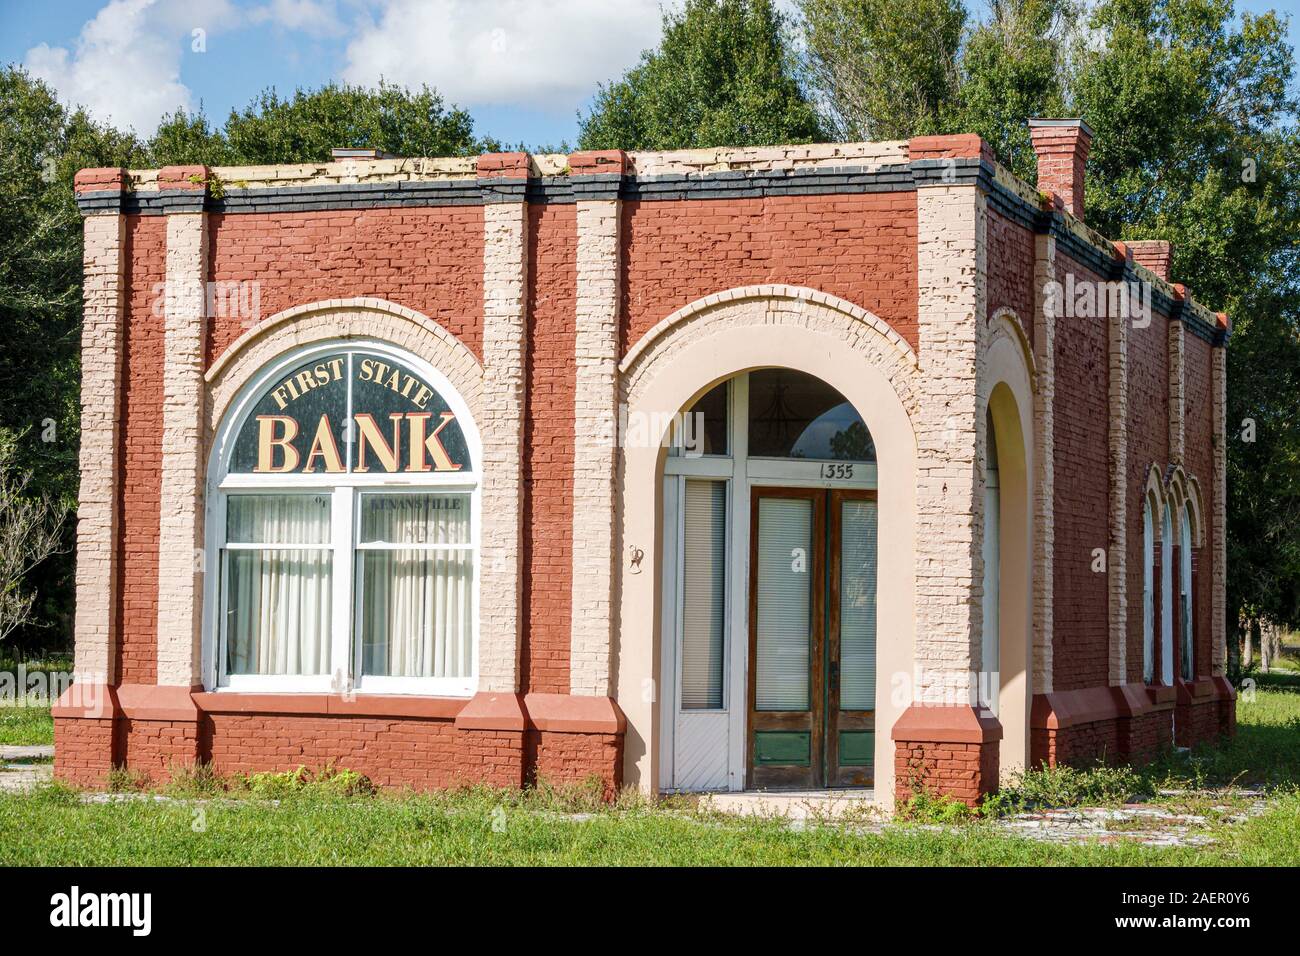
(351, 411)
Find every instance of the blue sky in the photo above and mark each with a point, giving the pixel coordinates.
(522, 67)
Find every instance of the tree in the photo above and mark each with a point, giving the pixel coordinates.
(883, 69)
(723, 75)
(42, 145)
(31, 530)
(1194, 114)
(305, 127)
(1014, 67)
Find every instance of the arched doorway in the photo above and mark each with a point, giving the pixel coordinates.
(1005, 669)
(768, 588)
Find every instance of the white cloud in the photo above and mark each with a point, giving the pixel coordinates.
(124, 66)
(120, 69)
(545, 55)
(313, 17)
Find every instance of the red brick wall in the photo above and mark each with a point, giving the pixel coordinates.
(393, 752)
(427, 259)
(1196, 722)
(1011, 270)
(548, 448)
(859, 247)
(1198, 428)
(1081, 643)
(965, 772)
(1148, 444)
(83, 752)
(140, 480)
(569, 759)
(157, 748)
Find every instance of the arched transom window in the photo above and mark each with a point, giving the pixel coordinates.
(343, 529)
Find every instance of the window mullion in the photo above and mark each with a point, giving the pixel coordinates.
(341, 627)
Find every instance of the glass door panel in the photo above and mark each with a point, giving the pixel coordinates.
(786, 646)
(851, 642)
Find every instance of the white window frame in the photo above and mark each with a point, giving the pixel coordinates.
(345, 648)
(1148, 592)
(1166, 598)
(1187, 632)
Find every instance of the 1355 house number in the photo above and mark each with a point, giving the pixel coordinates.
(837, 470)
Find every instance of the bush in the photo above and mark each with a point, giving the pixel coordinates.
(1048, 787)
(923, 806)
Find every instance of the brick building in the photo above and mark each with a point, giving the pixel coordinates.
(810, 466)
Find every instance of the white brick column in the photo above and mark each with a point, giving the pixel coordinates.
(952, 268)
(595, 441)
(1117, 556)
(1044, 459)
(1219, 514)
(505, 275)
(103, 325)
(1177, 387)
(180, 530)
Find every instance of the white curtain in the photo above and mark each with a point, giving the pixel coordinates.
(416, 601)
(278, 600)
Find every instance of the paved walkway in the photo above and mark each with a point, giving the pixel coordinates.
(1147, 824)
(22, 767)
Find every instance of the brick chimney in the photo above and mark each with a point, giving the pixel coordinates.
(1062, 149)
(1155, 254)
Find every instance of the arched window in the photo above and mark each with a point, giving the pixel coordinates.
(1166, 598)
(1148, 592)
(343, 529)
(1185, 594)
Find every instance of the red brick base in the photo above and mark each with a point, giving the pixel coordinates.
(1128, 724)
(421, 743)
(946, 751)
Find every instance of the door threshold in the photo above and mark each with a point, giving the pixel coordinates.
(794, 804)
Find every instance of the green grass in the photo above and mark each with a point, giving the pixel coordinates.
(324, 819)
(28, 722)
(53, 827)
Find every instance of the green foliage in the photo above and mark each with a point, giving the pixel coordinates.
(304, 128)
(723, 75)
(1013, 68)
(328, 781)
(883, 69)
(42, 145)
(928, 808)
(1047, 787)
(1196, 143)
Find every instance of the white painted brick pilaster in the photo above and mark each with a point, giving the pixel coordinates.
(103, 325)
(180, 529)
(952, 269)
(1177, 389)
(1044, 459)
(595, 447)
(505, 275)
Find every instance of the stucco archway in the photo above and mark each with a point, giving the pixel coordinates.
(714, 339)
